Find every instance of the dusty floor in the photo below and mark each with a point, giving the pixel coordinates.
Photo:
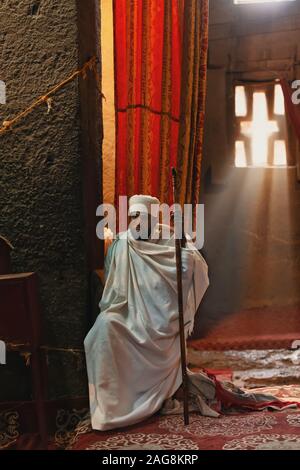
(252, 368)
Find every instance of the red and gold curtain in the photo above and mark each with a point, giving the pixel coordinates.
(160, 76)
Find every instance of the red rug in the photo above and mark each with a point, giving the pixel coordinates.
(247, 431)
(266, 328)
(18, 424)
(71, 430)
(260, 430)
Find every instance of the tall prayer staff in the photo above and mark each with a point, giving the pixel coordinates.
(178, 246)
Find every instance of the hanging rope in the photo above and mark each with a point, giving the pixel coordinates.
(90, 65)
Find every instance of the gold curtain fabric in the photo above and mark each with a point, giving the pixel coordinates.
(193, 95)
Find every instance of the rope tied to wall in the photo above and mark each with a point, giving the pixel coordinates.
(89, 66)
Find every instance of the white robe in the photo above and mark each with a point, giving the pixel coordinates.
(133, 349)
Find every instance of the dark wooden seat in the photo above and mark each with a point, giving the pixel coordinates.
(5, 249)
(20, 329)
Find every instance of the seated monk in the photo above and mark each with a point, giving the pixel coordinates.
(133, 349)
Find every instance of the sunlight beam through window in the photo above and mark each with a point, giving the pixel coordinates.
(259, 130)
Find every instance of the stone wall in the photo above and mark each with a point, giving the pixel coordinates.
(252, 215)
(41, 174)
(253, 42)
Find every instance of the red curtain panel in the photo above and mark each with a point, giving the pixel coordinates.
(158, 88)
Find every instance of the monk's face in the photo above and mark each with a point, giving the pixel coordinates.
(143, 224)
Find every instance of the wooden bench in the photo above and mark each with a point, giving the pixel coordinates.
(20, 329)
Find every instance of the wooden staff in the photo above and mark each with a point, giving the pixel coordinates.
(178, 245)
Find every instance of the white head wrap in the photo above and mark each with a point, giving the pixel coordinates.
(142, 203)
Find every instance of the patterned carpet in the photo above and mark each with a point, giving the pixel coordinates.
(244, 431)
(247, 431)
